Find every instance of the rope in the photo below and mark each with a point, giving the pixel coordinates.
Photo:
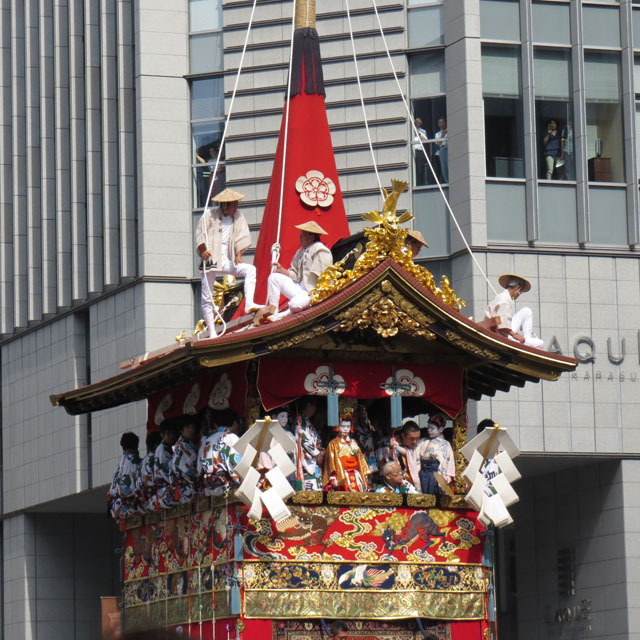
(209, 293)
(364, 112)
(275, 249)
(415, 132)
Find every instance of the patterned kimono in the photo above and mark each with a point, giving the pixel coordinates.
(163, 497)
(146, 486)
(184, 472)
(216, 461)
(123, 498)
(310, 446)
(436, 455)
(345, 466)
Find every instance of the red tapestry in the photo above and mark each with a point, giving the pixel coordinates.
(218, 389)
(282, 380)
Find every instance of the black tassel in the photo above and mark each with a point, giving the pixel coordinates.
(306, 67)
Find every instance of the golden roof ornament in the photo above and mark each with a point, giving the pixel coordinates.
(386, 240)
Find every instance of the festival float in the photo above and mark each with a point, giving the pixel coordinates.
(271, 560)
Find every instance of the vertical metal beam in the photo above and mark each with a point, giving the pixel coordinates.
(580, 123)
(78, 152)
(127, 139)
(6, 180)
(629, 128)
(529, 108)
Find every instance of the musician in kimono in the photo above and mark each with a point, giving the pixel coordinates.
(146, 486)
(184, 463)
(436, 456)
(403, 449)
(345, 468)
(216, 457)
(123, 499)
(163, 497)
(394, 481)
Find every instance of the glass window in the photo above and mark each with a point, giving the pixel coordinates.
(506, 212)
(554, 109)
(207, 98)
(604, 117)
(551, 24)
(557, 219)
(499, 20)
(503, 120)
(608, 216)
(601, 26)
(636, 28)
(205, 53)
(425, 27)
(432, 219)
(636, 85)
(427, 82)
(206, 137)
(205, 15)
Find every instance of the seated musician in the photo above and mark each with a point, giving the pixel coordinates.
(185, 460)
(163, 497)
(295, 283)
(403, 448)
(146, 486)
(345, 468)
(216, 458)
(123, 499)
(393, 480)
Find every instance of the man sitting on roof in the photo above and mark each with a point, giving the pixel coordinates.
(221, 239)
(415, 241)
(295, 283)
(516, 326)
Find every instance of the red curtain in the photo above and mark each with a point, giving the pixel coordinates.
(282, 380)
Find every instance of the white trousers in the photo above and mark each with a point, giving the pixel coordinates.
(242, 270)
(279, 284)
(522, 322)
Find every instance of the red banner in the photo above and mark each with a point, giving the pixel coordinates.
(218, 389)
(282, 380)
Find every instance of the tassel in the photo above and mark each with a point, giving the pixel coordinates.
(235, 596)
(306, 66)
(238, 553)
(333, 417)
(396, 411)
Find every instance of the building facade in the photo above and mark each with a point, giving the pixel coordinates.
(112, 115)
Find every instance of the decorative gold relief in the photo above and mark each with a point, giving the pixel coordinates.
(308, 497)
(536, 372)
(421, 500)
(386, 240)
(362, 498)
(387, 315)
(459, 440)
(293, 340)
(471, 347)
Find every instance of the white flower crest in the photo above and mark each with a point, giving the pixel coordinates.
(190, 402)
(221, 392)
(162, 408)
(317, 383)
(315, 190)
(406, 378)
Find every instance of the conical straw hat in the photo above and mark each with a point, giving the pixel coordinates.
(312, 227)
(228, 195)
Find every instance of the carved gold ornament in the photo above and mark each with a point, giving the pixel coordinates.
(386, 315)
(386, 240)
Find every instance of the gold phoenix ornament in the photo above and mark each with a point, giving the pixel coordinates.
(386, 240)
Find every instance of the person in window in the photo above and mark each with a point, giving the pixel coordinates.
(205, 172)
(418, 152)
(553, 142)
(443, 149)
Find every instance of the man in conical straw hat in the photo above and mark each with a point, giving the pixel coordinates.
(415, 241)
(516, 326)
(221, 239)
(295, 283)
